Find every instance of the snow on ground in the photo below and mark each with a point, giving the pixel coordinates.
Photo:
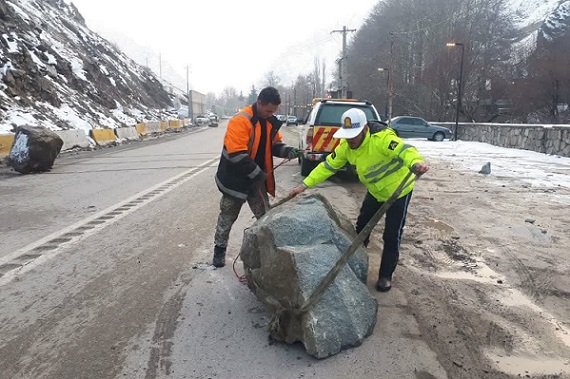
(535, 169)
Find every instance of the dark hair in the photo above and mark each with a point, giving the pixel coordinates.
(269, 95)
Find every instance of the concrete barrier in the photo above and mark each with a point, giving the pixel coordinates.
(152, 127)
(128, 133)
(6, 141)
(163, 126)
(73, 138)
(141, 129)
(174, 124)
(548, 139)
(103, 137)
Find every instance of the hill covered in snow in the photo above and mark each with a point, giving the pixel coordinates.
(55, 72)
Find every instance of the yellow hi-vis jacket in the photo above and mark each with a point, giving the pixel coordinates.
(382, 161)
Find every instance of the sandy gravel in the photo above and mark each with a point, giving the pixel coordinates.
(484, 268)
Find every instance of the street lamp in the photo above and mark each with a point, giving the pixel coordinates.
(387, 111)
(453, 44)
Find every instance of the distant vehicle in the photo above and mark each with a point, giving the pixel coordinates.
(201, 119)
(416, 127)
(213, 117)
(292, 120)
(281, 117)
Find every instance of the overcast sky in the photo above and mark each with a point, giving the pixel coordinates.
(229, 43)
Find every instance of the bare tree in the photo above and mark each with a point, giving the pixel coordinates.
(407, 38)
(317, 77)
(271, 80)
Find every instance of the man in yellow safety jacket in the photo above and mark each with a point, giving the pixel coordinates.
(382, 161)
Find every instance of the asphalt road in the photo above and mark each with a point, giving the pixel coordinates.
(105, 274)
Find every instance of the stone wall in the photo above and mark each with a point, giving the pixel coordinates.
(549, 139)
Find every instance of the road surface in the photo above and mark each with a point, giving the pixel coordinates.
(105, 265)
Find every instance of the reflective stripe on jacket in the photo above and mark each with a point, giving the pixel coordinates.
(237, 169)
(382, 161)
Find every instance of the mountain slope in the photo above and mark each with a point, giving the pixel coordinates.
(557, 23)
(56, 72)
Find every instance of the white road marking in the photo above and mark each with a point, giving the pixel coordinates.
(48, 255)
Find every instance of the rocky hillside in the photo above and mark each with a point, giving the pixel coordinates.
(56, 72)
(537, 21)
(556, 24)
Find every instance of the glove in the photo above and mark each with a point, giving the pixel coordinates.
(293, 153)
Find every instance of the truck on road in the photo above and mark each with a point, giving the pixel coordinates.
(316, 140)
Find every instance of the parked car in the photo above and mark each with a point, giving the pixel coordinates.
(281, 117)
(292, 120)
(416, 127)
(201, 119)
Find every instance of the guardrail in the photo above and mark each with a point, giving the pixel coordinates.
(103, 137)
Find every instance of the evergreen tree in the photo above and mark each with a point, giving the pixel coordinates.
(252, 98)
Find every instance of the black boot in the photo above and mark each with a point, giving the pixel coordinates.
(384, 284)
(219, 256)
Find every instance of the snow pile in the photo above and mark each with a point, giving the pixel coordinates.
(534, 169)
(20, 152)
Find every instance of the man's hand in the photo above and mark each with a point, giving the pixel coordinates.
(297, 190)
(293, 153)
(420, 168)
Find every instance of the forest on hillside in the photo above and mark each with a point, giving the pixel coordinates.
(508, 74)
(507, 77)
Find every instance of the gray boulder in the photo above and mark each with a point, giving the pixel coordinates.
(486, 169)
(286, 254)
(34, 149)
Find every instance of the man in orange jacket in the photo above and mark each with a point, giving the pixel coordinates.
(245, 171)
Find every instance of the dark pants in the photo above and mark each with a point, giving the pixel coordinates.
(231, 206)
(394, 226)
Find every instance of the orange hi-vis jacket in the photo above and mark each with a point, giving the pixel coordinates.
(237, 170)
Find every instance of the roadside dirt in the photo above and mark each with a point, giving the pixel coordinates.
(484, 267)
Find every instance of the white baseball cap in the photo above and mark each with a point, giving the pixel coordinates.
(353, 121)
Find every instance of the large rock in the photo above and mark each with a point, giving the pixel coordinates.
(286, 254)
(34, 149)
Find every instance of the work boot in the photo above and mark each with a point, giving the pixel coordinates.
(384, 284)
(219, 256)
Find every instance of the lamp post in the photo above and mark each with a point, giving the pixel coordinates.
(453, 44)
(389, 92)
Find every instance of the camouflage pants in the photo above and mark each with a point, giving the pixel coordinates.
(231, 206)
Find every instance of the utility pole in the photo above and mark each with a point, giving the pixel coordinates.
(187, 80)
(342, 74)
(391, 77)
(188, 92)
(323, 90)
(460, 85)
(295, 100)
